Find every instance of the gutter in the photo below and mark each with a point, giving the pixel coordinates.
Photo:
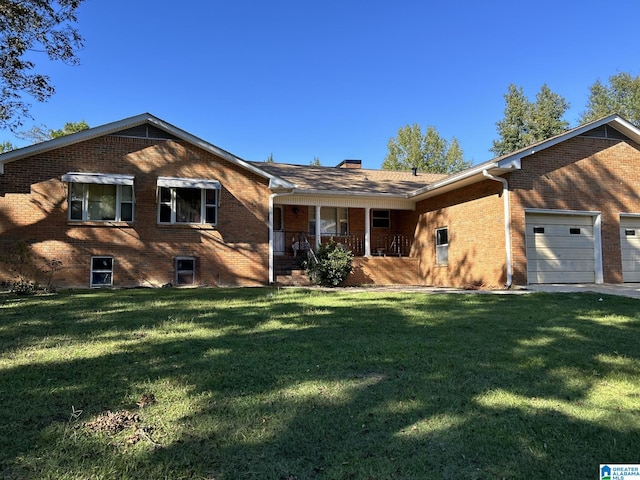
(507, 225)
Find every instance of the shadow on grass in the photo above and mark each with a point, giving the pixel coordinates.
(261, 383)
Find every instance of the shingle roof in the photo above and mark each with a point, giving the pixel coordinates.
(349, 180)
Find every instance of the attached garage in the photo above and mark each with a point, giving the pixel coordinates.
(630, 247)
(563, 247)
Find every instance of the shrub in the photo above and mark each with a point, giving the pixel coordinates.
(330, 265)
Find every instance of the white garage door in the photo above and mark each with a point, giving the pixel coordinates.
(630, 248)
(560, 248)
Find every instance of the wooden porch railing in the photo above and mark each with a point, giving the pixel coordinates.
(296, 243)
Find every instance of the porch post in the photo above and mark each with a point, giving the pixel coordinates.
(318, 226)
(367, 232)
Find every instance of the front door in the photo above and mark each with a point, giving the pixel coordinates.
(278, 231)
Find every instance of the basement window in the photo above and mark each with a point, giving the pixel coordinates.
(185, 268)
(538, 229)
(101, 271)
(442, 246)
(574, 231)
(630, 232)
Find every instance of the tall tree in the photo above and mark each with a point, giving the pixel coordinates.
(315, 162)
(621, 95)
(427, 152)
(28, 26)
(526, 122)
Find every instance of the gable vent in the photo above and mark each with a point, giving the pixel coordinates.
(604, 131)
(145, 131)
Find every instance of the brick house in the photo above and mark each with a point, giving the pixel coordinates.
(140, 202)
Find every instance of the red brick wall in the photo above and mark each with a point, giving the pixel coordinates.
(587, 174)
(33, 207)
(475, 220)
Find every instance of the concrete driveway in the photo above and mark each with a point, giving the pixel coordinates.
(631, 290)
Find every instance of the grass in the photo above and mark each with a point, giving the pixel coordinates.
(306, 384)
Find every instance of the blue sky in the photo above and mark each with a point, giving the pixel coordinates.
(333, 79)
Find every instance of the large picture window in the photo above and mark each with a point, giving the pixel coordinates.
(100, 197)
(333, 221)
(187, 201)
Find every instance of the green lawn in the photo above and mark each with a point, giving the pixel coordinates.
(305, 384)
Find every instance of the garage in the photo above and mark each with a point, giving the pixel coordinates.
(630, 248)
(561, 248)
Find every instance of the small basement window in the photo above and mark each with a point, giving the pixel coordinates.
(630, 232)
(538, 229)
(574, 231)
(101, 271)
(185, 268)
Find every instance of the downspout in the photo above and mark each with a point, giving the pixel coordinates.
(507, 224)
(271, 259)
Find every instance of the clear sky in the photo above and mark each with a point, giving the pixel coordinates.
(334, 79)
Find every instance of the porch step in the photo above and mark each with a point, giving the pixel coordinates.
(295, 278)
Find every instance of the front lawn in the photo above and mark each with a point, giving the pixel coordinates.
(306, 384)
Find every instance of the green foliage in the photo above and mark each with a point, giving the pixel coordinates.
(526, 123)
(42, 133)
(270, 158)
(427, 152)
(69, 128)
(28, 26)
(315, 162)
(331, 264)
(6, 147)
(621, 95)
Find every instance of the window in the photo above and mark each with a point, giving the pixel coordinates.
(442, 246)
(333, 221)
(101, 271)
(380, 218)
(100, 197)
(182, 200)
(185, 270)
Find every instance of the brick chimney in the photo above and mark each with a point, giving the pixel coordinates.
(350, 164)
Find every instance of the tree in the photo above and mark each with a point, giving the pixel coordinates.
(621, 95)
(427, 152)
(27, 26)
(315, 162)
(6, 147)
(526, 122)
(42, 133)
(270, 158)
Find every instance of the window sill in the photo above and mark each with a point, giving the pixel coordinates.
(108, 223)
(191, 226)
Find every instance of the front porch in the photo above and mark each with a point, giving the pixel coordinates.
(292, 243)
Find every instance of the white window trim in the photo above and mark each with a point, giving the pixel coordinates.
(443, 246)
(177, 272)
(92, 271)
(195, 183)
(85, 202)
(386, 218)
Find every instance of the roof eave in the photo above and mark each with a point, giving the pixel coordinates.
(131, 122)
